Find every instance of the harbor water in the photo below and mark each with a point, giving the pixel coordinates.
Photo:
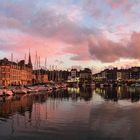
(72, 114)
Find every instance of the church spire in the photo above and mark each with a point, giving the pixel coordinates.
(29, 60)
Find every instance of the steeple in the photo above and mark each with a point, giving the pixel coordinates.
(29, 60)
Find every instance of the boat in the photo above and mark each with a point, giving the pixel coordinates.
(65, 85)
(42, 88)
(33, 89)
(20, 90)
(6, 92)
(135, 85)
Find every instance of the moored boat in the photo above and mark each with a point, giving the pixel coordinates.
(135, 85)
(6, 92)
(19, 90)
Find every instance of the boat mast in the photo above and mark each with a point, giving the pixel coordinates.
(11, 57)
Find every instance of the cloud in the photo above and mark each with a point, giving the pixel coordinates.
(128, 8)
(46, 22)
(105, 50)
(108, 51)
(59, 62)
(67, 28)
(117, 3)
(19, 43)
(48, 29)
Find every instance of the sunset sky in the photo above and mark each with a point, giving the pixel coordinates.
(89, 33)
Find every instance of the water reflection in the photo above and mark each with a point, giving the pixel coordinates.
(74, 113)
(9, 106)
(86, 93)
(119, 93)
(73, 93)
(21, 104)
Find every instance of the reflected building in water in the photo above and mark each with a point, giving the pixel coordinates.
(47, 114)
(73, 93)
(86, 93)
(119, 93)
(16, 104)
(24, 103)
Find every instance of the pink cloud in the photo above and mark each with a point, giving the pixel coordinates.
(91, 48)
(79, 51)
(53, 33)
(19, 43)
(108, 51)
(117, 3)
(75, 14)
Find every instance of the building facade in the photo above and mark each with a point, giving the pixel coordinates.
(12, 73)
(131, 74)
(86, 75)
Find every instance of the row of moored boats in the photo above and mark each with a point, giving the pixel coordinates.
(10, 91)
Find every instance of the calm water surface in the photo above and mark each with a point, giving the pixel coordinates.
(72, 114)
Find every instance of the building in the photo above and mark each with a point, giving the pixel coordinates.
(134, 73)
(106, 75)
(85, 76)
(98, 77)
(74, 73)
(110, 75)
(40, 76)
(73, 76)
(123, 74)
(58, 75)
(12, 73)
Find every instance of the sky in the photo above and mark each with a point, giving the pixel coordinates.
(86, 33)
